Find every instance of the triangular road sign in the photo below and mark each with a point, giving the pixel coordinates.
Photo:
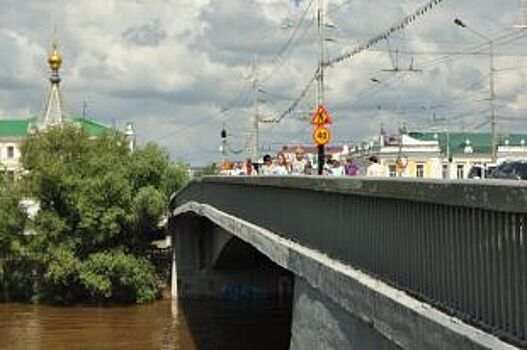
(321, 116)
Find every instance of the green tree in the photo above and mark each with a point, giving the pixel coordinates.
(100, 207)
(12, 222)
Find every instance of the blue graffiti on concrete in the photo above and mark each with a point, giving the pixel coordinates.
(241, 292)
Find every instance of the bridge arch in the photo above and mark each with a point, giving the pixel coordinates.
(236, 266)
(391, 252)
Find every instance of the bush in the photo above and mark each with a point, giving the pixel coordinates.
(118, 277)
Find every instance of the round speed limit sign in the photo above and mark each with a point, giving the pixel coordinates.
(321, 135)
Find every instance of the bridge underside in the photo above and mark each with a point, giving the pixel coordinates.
(213, 263)
(332, 304)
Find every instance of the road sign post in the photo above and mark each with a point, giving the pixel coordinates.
(321, 134)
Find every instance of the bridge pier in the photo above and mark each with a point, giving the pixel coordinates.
(319, 323)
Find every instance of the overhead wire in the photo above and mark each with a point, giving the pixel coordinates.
(408, 20)
(278, 65)
(411, 18)
(293, 34)
(384, 85)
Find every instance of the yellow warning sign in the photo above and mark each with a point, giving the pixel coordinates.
(321, 135)
(321, 116)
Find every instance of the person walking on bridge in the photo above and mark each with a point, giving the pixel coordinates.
(351, 168)
(299, 165)
(267, 167)
(375, 169)
(281, 167)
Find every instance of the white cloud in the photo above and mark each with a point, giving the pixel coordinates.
(172, 65)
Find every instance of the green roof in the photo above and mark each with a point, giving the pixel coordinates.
(93, 128)
(480, 142)
(15, 128)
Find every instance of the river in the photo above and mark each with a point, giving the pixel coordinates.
(164, 324)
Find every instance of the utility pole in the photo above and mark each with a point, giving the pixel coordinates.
(492, 98)
(256, 121)
(320, 76)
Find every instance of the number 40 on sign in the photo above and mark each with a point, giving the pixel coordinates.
(321, 135)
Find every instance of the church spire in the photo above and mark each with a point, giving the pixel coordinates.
(55, 112)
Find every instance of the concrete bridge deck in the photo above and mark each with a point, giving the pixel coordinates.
(376, 263)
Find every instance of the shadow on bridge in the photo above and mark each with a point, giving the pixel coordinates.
(233, 296)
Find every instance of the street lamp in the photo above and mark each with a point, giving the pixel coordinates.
(492, 97)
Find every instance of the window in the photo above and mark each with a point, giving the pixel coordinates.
(420, 170)
(10, 152)
(460, 171)
(446, 174)
(391, 170)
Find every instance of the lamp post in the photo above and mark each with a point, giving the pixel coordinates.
(492, 97)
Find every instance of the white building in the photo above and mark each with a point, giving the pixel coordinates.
(442, 155)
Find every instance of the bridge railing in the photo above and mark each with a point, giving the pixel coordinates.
(459, 245)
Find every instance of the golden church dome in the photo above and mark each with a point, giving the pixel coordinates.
(55, 59)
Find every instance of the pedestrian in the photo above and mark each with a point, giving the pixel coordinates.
(267, 167)
(249, 169)
(289, 156)
(375, 169)
(327, 169)
(400, 166)
(338, 168)
(351, 168)
(299, 165)
(237, 169)
(281, 167)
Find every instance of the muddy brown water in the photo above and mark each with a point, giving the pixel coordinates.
(160, 325)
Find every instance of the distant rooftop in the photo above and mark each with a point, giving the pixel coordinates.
(480, 142)
(18, 128)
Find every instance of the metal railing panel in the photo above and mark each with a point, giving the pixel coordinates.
(460, 246)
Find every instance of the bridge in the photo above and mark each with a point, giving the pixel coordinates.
(367, 263)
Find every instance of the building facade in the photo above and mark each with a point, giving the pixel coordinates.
(443, 155)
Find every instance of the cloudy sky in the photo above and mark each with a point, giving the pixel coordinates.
(181, 69)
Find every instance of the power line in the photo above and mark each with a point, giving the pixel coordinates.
(295, 103)
(385, 84)
(398, 27)
(339, 7)
(408, 20)
(293, 34)
(282, 63)
(479, 48)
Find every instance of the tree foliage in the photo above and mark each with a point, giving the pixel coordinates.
(100, 207)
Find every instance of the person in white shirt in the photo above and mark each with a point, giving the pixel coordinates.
(299, 164)
(338, 169)
(248, 168)
(375, 169)
(237, 169)
(281, 167)
(267, 167)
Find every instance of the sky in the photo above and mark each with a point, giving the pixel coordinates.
(181, 70)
